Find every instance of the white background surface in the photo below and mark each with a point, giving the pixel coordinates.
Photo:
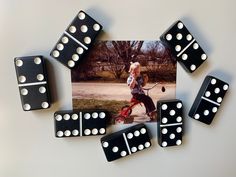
(28, 147)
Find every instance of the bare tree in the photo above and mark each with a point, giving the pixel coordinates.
(163, 67)
(159, 52)
(119, 54)
(115, 57)
(127, 51)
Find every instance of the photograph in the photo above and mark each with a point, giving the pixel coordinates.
(126, 78)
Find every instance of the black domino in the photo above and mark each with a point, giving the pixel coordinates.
(80, 123)
(33, 82)
(208, 99)
(170, 127)
(125, 142)
(76, 40)
(184, 46)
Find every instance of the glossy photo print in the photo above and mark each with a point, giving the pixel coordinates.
(127, 78)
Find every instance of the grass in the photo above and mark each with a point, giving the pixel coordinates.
(112, 106)
(108, 76)
(105, 74)
(163, 74)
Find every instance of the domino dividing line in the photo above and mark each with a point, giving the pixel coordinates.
(126, 142)
(31, 84)
(213, 102)
(80, 124)
(78, 42)
(168, 125)
(185, 48)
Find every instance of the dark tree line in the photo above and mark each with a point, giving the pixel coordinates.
(118, 54)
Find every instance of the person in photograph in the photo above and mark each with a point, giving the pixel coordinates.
(136, 82)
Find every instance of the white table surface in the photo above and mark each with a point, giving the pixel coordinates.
(28, 147)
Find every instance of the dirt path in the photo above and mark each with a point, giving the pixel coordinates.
(116, 91)
(120, 91)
